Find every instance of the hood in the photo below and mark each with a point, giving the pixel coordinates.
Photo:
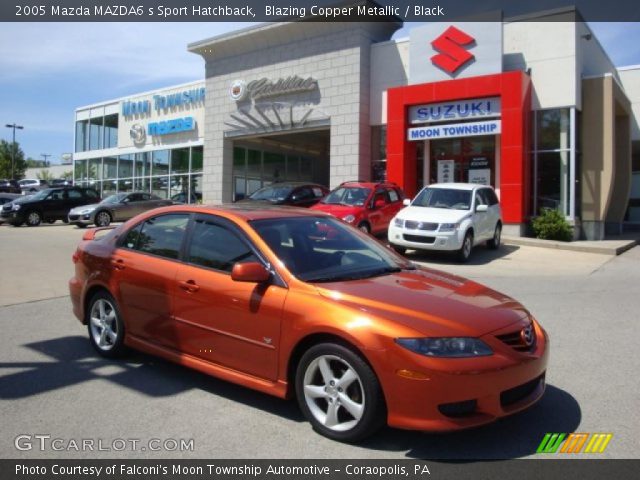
(434, 215)
(337, 210)
(430, 302)
(84, 207)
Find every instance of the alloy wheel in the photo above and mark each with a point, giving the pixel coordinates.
(103, 219)
(334, 393)
(104, 325)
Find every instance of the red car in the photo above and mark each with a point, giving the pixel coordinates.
(368, 206)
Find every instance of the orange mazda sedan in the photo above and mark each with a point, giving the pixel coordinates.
(293, 302)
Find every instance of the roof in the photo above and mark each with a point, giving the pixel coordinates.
(246, 212)
(457, 186)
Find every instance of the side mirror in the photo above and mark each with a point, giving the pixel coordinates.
(253, 272)
(406, 202)
(482, 208)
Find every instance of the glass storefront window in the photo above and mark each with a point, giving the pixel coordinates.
(553, 181)
(110, 167)
(82, 136)
(306, 169)
(160, 186)
(109, 187)
(143, 164)
(180, 160)
(160, 162)
(274, 166)
(553, 129)
(111, 131)
(293, 167)
(141, 184)
(125, 185)
(179, 184)
(125, 166)
(196, 188)
(95, 169)
(80, 170)
(96, 132)
(196, 159)
(254, 163)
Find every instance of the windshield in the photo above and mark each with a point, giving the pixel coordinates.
(348, 196)
(319, 249)
(117, 198)
(450, 198)
(41, 195)
(273, 194)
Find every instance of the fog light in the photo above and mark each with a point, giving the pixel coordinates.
(412, 375)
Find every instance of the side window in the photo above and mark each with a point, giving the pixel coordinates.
(491, 196)
(304, 193)
(380, 195)
(74, 194)
(131, 238)
(214, 246)
(480, 200)
(317, 192)
(92, 194)
(55, 196)
(393, 195)
(145, 197)
(162, 235)
(135, 197)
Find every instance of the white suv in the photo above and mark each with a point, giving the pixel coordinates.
(448, 216)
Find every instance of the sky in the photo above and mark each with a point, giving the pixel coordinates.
(47, 70)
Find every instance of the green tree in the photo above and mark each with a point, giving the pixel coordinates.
(67, 175)
(45, 175)
(20, 165)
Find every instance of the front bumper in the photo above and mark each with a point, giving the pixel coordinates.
(424, 239)
(13, 216)
(80, 219)
(454, 394)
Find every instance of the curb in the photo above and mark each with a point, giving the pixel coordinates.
(604, 247)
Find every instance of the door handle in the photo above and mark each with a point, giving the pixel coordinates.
(118, 264)
(189, 285)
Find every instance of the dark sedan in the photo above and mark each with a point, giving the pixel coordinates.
(295, 194)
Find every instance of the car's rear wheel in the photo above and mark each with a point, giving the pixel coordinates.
(103, 218)
(494, 243)
(339, 393)
(34, 219)
(106, 328)
(467, 245)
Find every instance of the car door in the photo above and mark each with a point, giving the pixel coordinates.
(395, 204)
(494, 208)
(377, 215)
(53, 206)
(481, 220)
(145, 265)
(234, 324)
(128, 207)
(303, 197)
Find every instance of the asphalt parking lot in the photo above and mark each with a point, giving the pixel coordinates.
(52, 382)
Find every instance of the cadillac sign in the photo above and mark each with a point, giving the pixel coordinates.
(263, 88)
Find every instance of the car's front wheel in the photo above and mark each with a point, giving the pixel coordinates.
(103, 219)
(467, 245)
(106, 328)
(34, 219)
(339, 393)
(494, 243)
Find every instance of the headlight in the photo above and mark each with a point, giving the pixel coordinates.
(449, 227)
(398, 222)
(349, 218)
(15, 207)
(84, 211)
(446, 347)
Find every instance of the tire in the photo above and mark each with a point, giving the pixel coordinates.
(494, 243)
(399, 249)
(347, 380)
(467, 245)
(81, 225)
(105, 325)
(33, 219)
(51, 221)
(102, 218)
(364, 227)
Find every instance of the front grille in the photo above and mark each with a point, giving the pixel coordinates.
(458, 409)
(513, 395)
(516, 340)
(413, 225)
(418, 238)
(74, 217)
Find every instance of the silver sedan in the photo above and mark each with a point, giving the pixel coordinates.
(115, 208)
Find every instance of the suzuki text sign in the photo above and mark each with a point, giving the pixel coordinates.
(442, 51)
(459, 110)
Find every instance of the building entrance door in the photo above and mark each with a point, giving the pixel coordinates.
(466, 160)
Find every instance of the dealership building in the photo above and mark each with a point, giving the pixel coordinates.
(531, 106)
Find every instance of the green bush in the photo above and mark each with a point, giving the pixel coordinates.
(551, 225)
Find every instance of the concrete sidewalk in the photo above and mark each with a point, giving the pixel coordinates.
(605, 247)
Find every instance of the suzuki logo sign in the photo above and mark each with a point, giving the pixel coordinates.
(453, 55)
(442, 51)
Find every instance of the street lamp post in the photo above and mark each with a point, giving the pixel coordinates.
(45, 156)
(13, 146)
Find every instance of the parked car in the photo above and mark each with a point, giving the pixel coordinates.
(32, 185)
(295, 194)
(60, 182)
(294, 302)
(115, 208)
(367, 206)
(47, 205)
(9, 186)
(448, 216)
(183, 197)
(6, 198)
